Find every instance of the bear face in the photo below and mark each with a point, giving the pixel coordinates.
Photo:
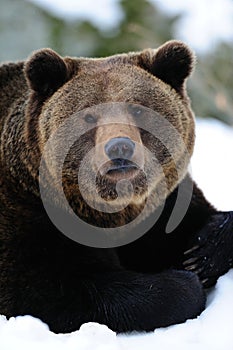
(108, 97)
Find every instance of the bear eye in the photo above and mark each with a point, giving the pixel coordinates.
(136, 111)
(89, 118)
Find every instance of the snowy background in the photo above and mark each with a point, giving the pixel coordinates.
(212, 168)
(200, 27)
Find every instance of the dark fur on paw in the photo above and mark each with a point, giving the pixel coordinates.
(211, 252)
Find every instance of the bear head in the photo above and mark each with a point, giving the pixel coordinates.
(113, 132)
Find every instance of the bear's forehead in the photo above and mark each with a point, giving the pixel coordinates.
(113, 65)
(107, 62)
(115, 74)
(104, 83)
(114, 79)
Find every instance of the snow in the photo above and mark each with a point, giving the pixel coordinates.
(213, 329)
(212, 162)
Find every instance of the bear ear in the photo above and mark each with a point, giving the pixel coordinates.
(46, 71)
(172, 62)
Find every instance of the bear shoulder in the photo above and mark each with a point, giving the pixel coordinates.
(12, 85)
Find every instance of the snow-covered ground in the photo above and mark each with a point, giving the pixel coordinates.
(212, 162)
(212, 330)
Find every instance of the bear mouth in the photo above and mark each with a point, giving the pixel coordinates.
(119, 168)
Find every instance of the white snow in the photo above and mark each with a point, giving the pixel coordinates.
(212, 330)
(212, 162)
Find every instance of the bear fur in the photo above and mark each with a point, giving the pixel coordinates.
(152, 282)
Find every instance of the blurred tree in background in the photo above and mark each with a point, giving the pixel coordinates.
(142, 26)
(25, 27)
(211, 86)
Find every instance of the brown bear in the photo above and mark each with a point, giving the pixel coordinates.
(154, 280)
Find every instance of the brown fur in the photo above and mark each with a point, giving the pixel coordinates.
(39, 94)
(42, 272)
(56, 89)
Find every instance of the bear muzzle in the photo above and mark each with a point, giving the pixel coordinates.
(119, 151)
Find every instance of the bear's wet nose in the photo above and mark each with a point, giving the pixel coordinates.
(119, 147)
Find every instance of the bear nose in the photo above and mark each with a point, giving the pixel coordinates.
(119, 147)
